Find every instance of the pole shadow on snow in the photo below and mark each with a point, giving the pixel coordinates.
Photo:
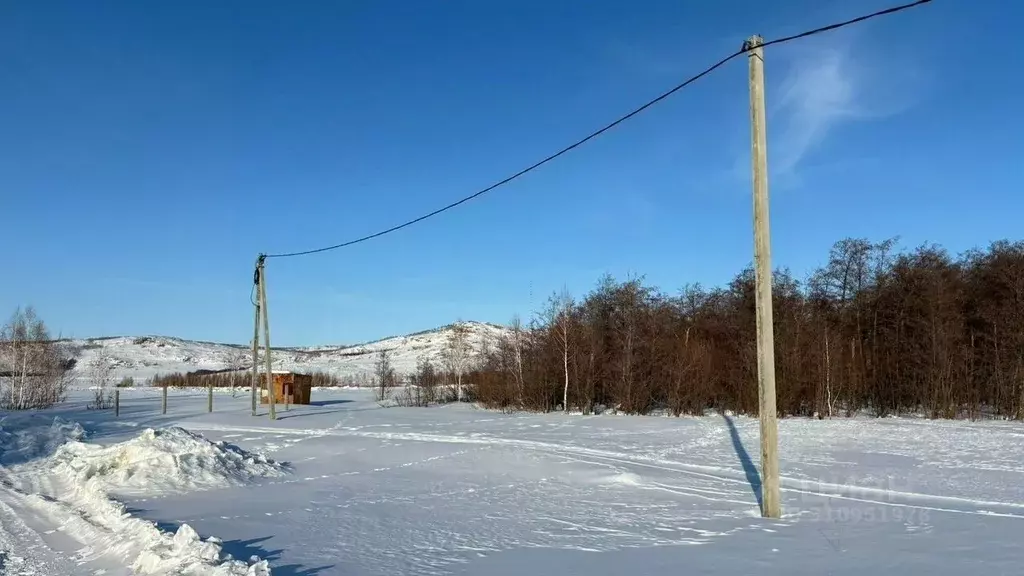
(749, 469)
(313, 404)
(286, 414)
(328, 402)
(242, 549)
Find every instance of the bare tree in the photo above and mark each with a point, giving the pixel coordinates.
(516, 344)
(629, 313)
(457, 355)
(100, 377)
(421, 385)
(238, 359)
(384, 373)
(558, 317)
(35, 371)
(425, 379)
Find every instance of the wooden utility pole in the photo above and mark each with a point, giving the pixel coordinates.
(770, 505)
(266, 335)
(256, 339)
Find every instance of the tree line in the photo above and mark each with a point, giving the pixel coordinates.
(230, 378)
(875, 329)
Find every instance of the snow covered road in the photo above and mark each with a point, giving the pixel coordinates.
(457, 490)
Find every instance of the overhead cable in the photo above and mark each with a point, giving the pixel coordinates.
(604, 129)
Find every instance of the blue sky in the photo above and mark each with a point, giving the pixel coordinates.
(149, 151)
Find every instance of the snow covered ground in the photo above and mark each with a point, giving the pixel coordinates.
(347, 487)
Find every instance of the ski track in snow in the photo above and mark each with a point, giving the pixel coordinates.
(717, 475)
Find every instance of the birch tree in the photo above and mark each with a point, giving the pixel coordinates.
(559, 320)
(34, 369)
(100, 375)
(457, 355)
(516, 343)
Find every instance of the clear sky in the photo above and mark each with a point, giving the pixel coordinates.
(149, 151)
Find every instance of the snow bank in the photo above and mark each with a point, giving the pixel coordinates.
(90, 516)
(166, 459)
(186, 553)
(77, 477)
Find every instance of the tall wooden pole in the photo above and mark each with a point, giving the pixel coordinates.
(256, 339)
(770, 505)
(266, 337)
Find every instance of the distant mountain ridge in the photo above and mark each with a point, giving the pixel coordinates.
(142, 357)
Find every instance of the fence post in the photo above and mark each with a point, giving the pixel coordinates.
(209, 397)
(164, 403)
(117, 402)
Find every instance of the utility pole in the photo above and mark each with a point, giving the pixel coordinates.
(770, 505)
(256, 338)
(266, 334)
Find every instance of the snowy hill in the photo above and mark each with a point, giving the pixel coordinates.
(142, 357)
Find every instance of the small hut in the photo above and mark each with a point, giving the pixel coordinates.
(289, 388)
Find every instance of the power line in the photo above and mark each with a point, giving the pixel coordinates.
(845, 23)
(606, 128)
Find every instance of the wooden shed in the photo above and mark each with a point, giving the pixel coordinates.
(289, 388)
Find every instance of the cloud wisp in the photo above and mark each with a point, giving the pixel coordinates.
(826, 87)
(819, 92)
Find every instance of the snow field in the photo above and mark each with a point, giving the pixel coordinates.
(454, 490)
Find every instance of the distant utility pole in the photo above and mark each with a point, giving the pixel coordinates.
(770, 505)
(266, 333)
(256, 337)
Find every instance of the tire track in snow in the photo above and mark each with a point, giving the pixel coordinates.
(90, 538)
(22, 549)
(937, 503)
